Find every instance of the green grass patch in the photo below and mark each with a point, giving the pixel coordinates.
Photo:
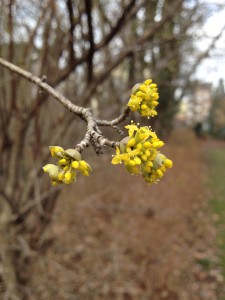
(217, 201)
(206, 263)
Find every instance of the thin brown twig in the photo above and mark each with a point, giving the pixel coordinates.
(8, 199)
(88, 6)
(115, 121)
(92, 133)
(69, 5)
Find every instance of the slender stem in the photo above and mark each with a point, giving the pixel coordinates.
(44, 86)
(93, 134)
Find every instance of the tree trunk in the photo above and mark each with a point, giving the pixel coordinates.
(10, 259)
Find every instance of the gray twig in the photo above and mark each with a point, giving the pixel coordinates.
(93, 134)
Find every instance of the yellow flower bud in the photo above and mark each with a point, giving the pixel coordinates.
(56, 151)
(147, 145)
(144, 157)
(153, 85)
(84, 168)
(66, 168)
(62, 161)
(160, 173)
(140, 94)
(60, 176)
(139, 146)
(143, 88)
(155, 95)
(168, 163)
(163, 169)
(140, 154)
(143, 106)
(155, 103)
(149, 163)
(137, 161)
(54, 183)
(68, 175)
(83, 164)
(75, 164)
(148, 81)
(158, 144)
(131, 163)
(131, 142)
(147, 153)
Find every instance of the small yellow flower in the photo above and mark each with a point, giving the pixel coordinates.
(84, 168)
(168, 163)
(159, 165)
(137, 160)
(75, 164)
(140, 155)
(68, 160)
(158, 144)
(56, 151)
(144, 99)
(132, 128)
(60, 176)
(69, 177)
(131, 142)
(62, 161)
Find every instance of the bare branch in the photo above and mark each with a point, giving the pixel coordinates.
(8, 199)
(149, 33)
(88, 5)
(69, 5)
(200, 58)
(118, 120)
(85, 114)
(11, 56)
(34, 202)
(121, 21)
(44, 86)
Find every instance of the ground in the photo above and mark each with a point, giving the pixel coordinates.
(114, 237)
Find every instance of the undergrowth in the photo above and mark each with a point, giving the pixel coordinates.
(217, 201)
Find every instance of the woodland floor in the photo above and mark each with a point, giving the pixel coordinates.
(114, 237)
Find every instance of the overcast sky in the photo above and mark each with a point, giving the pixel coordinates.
(214, 68)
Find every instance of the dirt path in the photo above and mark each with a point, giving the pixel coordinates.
(117, 238)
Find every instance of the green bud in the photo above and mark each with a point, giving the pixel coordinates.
(135, 88)
(123, 143)
(158, 161)
(52, 170)
(73, 153)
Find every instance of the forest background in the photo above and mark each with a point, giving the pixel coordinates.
(108, 236)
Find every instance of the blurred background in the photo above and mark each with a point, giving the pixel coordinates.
(111, 236)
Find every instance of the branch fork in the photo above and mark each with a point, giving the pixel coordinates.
(93, 134)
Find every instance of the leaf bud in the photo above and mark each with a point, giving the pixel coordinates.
(73, 153)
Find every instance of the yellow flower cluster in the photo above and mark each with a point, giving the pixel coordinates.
(139, 153)
(144, 99)
(69, 161)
